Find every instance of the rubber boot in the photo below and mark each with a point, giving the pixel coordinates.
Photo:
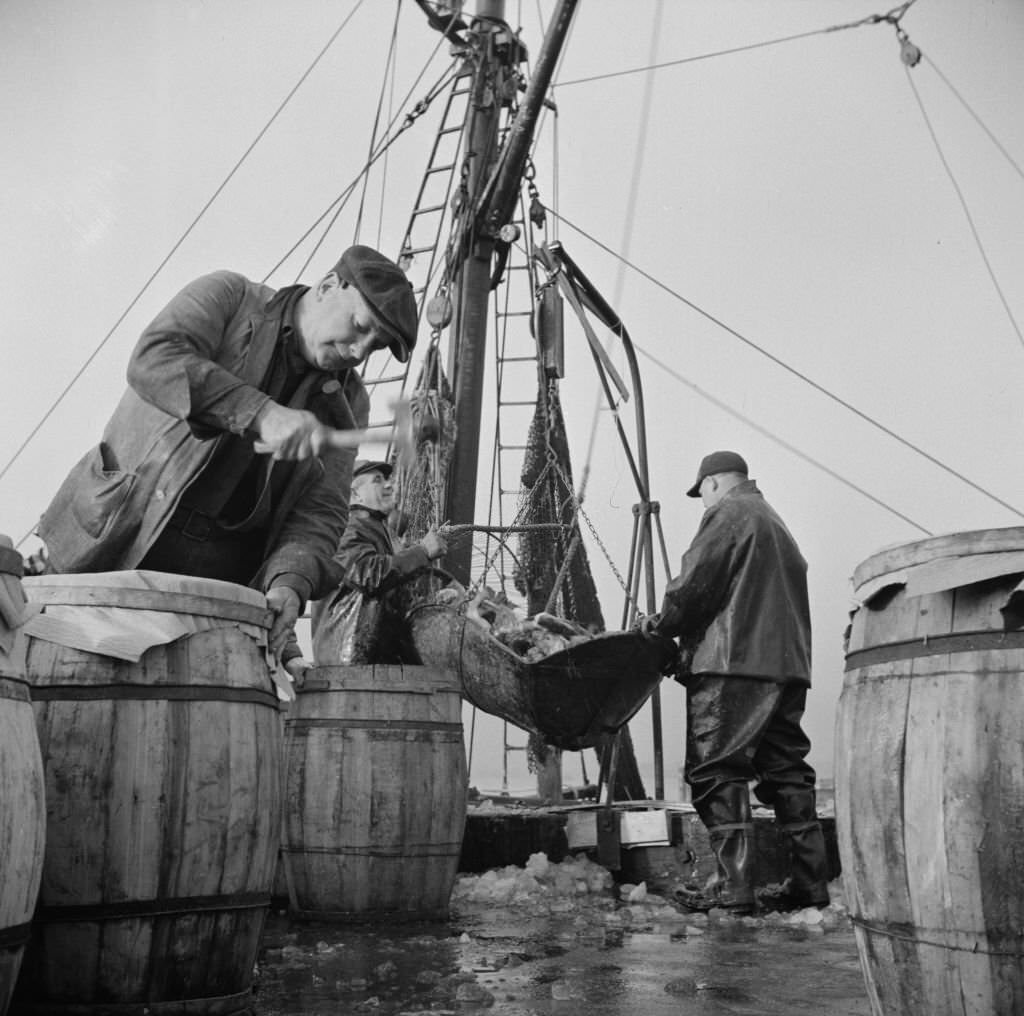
(796, 815)
(731, 887)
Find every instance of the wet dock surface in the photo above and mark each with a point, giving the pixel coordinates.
(564, 952)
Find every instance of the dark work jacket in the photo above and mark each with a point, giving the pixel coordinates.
(739, 603)
(360, 622)
(194, 377)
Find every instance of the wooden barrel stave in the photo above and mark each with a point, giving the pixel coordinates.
(22, 808)
(22, 829)
(930, 772)
(165, 798)
(376, 793)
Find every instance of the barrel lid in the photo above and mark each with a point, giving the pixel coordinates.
(900, 557)
(39, 587)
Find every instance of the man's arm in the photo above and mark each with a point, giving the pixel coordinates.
(182, 363)
(701, 589)
(362, 565)
(308, 529)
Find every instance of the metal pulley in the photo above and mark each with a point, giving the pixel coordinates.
(909, 53)
(439, 311)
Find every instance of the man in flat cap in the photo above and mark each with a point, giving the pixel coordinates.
(739, 608)
(214, 463)
(361, 621)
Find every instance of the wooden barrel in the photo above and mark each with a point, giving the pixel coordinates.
(22, 808)
(929, 763)
(163, 787)
(375, 800)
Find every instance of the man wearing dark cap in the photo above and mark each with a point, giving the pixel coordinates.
(739, 608)
(361, 622)
(215, 462)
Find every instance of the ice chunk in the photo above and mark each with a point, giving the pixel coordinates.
(638, 893)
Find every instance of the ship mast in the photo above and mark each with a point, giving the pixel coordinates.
(492, 188)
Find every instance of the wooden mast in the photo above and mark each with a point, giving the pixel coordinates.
(492, 187)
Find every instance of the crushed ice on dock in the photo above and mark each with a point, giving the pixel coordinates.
(562, 938)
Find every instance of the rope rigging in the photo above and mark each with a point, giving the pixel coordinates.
(177, 244)
(966, 209)
(378, 150)
(892, 17)
(796, 373)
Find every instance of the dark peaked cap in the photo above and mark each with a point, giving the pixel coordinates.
(717, 462)
(371, 466)
(388, 292)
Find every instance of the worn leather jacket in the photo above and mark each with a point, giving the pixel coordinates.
(194, 375)
(739, 604)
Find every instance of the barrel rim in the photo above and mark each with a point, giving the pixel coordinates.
(957, 544)
(379, 677)
(141, 579)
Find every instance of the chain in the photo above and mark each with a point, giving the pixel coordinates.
(607, 556)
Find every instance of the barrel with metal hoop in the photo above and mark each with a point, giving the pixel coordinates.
(22, 808)
(375, 800)
(929, 760)
(161, 744)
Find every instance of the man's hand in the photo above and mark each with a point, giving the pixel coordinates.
(285, 603)
(289, 434)
(434, 544)
(298, 667)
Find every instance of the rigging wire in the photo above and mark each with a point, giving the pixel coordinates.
(892, 17)
(418, 110)
(629, 216)
(967, 211)
(378, 236)
(779, 441)
(389, 65)
(339, 202)
(184, 236)
(792, 370)
(963, 102)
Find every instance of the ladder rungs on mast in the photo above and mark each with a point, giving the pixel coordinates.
(427, 209)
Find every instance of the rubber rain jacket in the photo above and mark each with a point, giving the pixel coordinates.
(739, 604)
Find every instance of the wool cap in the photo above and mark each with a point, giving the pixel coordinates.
(717, 462)
(384, 286)
(370, 466)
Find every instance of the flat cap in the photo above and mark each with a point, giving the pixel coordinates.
(370, 466)
(717, 462)
(386, 289)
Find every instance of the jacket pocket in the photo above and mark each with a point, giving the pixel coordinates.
(100, 492)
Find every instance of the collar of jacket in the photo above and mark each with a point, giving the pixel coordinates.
(372, 512)
(283, 304)
(746, 487)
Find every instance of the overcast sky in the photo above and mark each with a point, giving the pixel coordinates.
(792, 192)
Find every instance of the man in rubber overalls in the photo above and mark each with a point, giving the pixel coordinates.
(739, 608)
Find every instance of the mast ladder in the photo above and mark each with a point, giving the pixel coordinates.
(431, 211)
(516, 373)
